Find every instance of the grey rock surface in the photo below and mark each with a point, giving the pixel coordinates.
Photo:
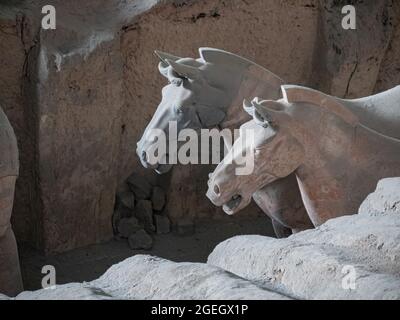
(385, 199)
(146, 277)
(140, 186)
(3, 297)
(158, 198)
(307, 265)
(10, 274)
(144, 212)
(140, 240)
(128, 226)
(127, 199)
(311, 264)
(123, 212)
(119, 213)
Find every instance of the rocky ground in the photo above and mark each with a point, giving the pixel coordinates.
(91, 262)
(351, 257)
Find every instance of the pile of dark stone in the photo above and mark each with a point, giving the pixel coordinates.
(139, 212)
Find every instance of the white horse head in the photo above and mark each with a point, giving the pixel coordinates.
(200, 92)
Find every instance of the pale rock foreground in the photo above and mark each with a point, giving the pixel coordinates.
(314, 264)
(308, 265)
(146, 277)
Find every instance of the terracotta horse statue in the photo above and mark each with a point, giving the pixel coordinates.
(208, 92)
(337, 149)
(10, 275)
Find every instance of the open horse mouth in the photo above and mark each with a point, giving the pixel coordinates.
(232, 204)
(163, 168)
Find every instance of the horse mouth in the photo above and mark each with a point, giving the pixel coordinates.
(163, 168)
(231, 206)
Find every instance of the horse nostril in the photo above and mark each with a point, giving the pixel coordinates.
(216, 190)
(144, 156)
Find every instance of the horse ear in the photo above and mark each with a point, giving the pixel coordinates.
(266, 113)
(248, 107)
(268, 106)
(210, 116)
(163, 65)
(165, 56)
(184, 70)
(254, 110)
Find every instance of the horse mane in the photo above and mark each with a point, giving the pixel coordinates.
(293, 93)
(221, 57)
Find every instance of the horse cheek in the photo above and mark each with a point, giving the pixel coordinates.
(287, 156)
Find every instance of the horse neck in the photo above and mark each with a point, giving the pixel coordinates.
(379, 112)
(348, 178)
(256, 82)
(359, 150)
(377, 143)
